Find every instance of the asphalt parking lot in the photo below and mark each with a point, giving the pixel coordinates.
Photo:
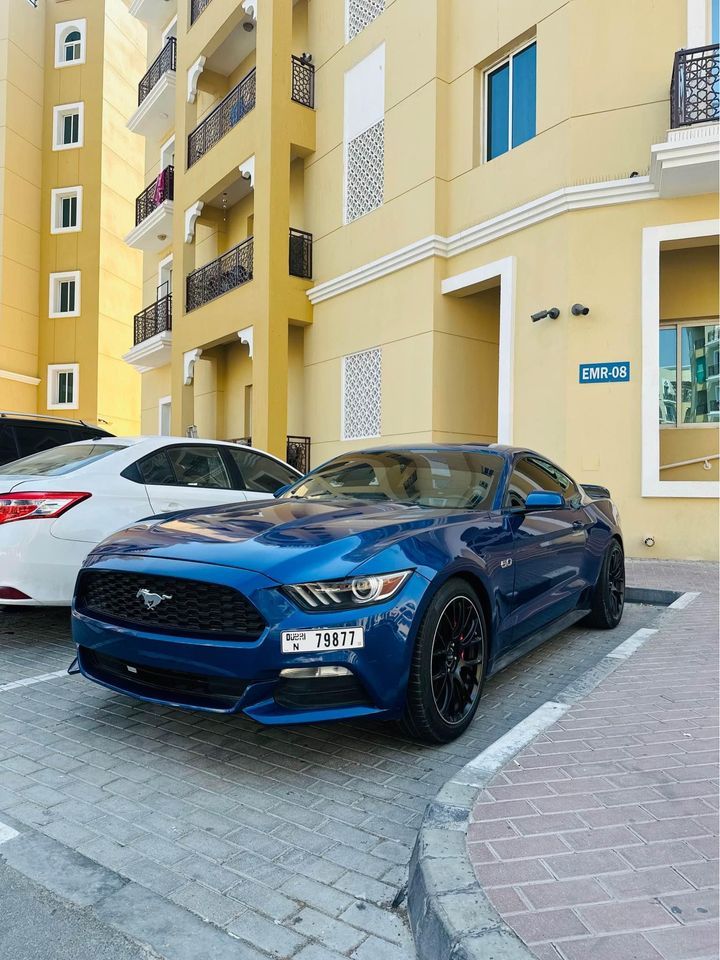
(293, 841)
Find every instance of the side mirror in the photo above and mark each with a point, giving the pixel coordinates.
(544, 500)
(281, 490)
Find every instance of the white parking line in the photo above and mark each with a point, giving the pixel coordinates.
(628, 647)
(684, 601)
(29, 681)
(7, 833)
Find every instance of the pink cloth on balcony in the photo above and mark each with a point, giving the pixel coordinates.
(159, 194)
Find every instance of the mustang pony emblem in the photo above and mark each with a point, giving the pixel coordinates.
(150, 599)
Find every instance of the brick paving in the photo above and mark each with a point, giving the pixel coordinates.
(293, 840)
(600, 840)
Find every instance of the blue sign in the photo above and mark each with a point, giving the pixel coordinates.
(612, 372)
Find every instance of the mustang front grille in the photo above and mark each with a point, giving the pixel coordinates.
(174, 605)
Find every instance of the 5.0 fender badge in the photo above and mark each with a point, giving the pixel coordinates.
(506, 563)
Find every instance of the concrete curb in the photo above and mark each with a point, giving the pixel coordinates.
(450, 916)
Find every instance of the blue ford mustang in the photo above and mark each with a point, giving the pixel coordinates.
(388, 582)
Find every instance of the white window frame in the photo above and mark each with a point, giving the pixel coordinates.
(163, 265)
(343, 430)
(169, 31)
(678, 325)
(61, 31)
(54, 371)
(53, 301)
(508, 58)
(59, 113)
(652, 239)
(163, 402)
(56, 198)
(168, 148)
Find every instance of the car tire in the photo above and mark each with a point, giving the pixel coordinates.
(608, 596)
(448, 665)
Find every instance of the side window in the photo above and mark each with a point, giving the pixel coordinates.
(260, 474)
(192, 466)
(531, 474)
(32, 439)
(8, 450)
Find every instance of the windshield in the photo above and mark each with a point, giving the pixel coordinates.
(445, 479)
(59, 460)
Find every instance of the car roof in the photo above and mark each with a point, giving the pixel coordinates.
(498, 448)
(150, 443)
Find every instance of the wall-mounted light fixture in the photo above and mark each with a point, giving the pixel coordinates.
(552, 313)
(579, 310)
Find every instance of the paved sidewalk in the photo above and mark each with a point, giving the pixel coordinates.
(599, 841)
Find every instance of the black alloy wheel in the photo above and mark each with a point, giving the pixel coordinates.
(448, 665)
(608, 596)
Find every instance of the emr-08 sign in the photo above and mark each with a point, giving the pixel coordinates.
(617, 372)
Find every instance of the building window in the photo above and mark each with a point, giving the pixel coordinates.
(689, 379)
(359, 13)
(65, 294)
(66, 210)
(70, 43)
(68, 126)
(364, 135)
(510, 102)
(361, 395)
(63, 386)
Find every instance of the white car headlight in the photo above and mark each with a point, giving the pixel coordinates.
(349, 593)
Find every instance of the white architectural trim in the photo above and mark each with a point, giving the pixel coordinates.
(698, 28)
(652, 237)
(59, 113)
(19, 378)
(148, 233)
(162, 264)
(560, 201)
(52, 371)
(164, 149)
(246, 336)
(191, 215)
(55, 196)
(61, 30)
(465, 284)
(250, 8)
(155, 115)
(55, 279)
(162, 402)
(247, 170)
(193, 75)
(151, 353)
(687, 162)
(190, 358)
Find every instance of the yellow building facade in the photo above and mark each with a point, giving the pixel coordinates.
(439, 220)
(69, 170)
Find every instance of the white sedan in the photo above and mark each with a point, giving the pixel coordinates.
(55, 506)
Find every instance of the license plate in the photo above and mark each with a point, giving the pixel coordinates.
(318, 641)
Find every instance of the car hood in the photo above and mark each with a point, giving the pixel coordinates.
(287, 539)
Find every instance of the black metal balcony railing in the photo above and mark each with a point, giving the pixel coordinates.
(196, 8)
(300, 254)
(153, 319)
(165, 60)
(303, 82)
(239, 102)
(695, 86)
(297, 451)
(230, 270)
(161, 189)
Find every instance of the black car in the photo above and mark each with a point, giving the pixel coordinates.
(22, 434)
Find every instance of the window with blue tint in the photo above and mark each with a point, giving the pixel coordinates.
(715, 31)
(511, 102)
(498, 111)
(523, 95)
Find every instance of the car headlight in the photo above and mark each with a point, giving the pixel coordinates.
(349, 593)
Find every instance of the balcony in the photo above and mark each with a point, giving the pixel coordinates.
(155, 12)
(229, 112)
(156, 95)
(297, 451)
(197, 7)
(152, 336)
(686, 163)
(303, 82)
(154, 214)
(228, 271)
(695, 86)
(300, 254)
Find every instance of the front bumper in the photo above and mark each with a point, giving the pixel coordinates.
(230, 676)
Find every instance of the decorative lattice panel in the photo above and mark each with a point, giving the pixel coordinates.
(365, 174)
(360, 13)
(362, 394)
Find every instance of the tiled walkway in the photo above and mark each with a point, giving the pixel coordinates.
(600, 840)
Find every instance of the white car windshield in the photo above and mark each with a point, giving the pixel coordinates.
(60, 460)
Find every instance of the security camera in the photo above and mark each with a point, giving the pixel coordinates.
(553, 313)
(578, 310)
